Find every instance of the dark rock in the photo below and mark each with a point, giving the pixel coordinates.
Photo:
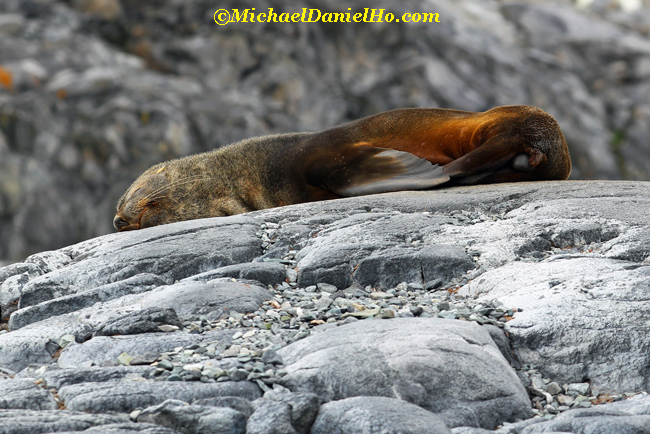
(242, 405)
(270, 417)
(388, 268)
(120, 256)
(12, 279)
(376, 414)
(43, 421)
(125, 428)
(383, 255)
(74, 302)
(58, 378)
(38, 344)
(629, 416)
(194, 419)
(25, 394)
(212, 299)
(102, 348)
(129, 395)
(272, 357)
(267, 273)
(303, 407)
(143, 321)
(373, 358)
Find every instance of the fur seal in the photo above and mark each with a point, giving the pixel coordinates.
(402, 149)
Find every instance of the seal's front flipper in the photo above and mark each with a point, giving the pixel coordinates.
(494, 161)
(378, 170)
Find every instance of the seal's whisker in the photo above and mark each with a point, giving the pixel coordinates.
(186, 180)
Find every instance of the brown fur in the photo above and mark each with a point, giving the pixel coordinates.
(271, 171)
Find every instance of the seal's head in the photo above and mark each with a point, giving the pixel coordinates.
(147, 202)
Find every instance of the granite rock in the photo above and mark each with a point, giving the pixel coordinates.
(555, 272)
(422, 361)
(376, 414)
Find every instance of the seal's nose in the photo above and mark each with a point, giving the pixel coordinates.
(119, 222)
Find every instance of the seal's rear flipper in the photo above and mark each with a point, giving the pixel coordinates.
(378, 170)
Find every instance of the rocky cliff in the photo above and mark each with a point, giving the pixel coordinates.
(93, 92)
(465, 310)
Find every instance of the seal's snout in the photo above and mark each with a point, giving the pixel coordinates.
(119, 222)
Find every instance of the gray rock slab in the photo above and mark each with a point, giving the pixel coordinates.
(147, 320)
(12, 278)
(38, 344)
(100, 349)
(376, 414)
(303, 407)
(242, 405)
(125, 428)
(74, 302)
(583, 318)
(194, 419)
(46, 421)
(213, 298)
(448, 367)
(125, 396)
(173, 253)
(470, 430)
(380, 249)
(56, 378)
(628, 416)
(24, 393)
(434, 262)
(267, 273)
(270, 417)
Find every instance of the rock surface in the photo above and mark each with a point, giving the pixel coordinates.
(449, 368)
(508, 289)
(94, 92)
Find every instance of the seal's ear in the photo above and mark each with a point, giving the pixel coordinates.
(371, 170)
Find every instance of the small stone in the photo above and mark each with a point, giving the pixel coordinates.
(66, 340)
(553, 388)
(232, 351)
(446, 315)
(168, 328)
(166, 364)
(124, 359)
(565, 400)
(194, 367)
(292, 275)
(238, 374)
(580, 388)
(326, 287)
(144, 359)
(272, 357)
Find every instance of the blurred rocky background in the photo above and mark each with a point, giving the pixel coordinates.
(92, 92)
